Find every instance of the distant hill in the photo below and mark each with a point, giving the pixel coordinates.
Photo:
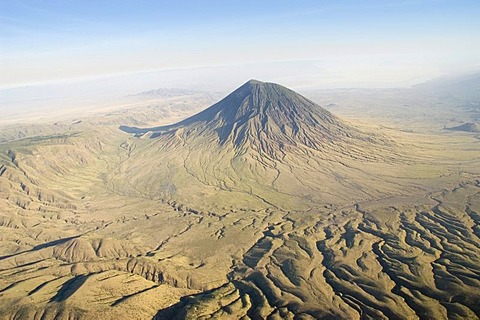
(468, 127)
(165, 93)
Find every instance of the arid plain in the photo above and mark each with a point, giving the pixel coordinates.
(351, 204)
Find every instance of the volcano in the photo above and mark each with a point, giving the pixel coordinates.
(261, 140)
(265, 116)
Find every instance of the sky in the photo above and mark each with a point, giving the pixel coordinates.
(214, 44)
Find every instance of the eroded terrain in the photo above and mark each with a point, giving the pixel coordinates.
(98, 223)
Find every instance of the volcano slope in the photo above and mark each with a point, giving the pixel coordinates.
(264, 205)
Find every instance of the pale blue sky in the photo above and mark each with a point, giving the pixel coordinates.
(315, 42)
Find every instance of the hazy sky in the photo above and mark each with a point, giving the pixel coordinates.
(309, 43)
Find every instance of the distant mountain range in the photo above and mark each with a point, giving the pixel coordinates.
(463, 87)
